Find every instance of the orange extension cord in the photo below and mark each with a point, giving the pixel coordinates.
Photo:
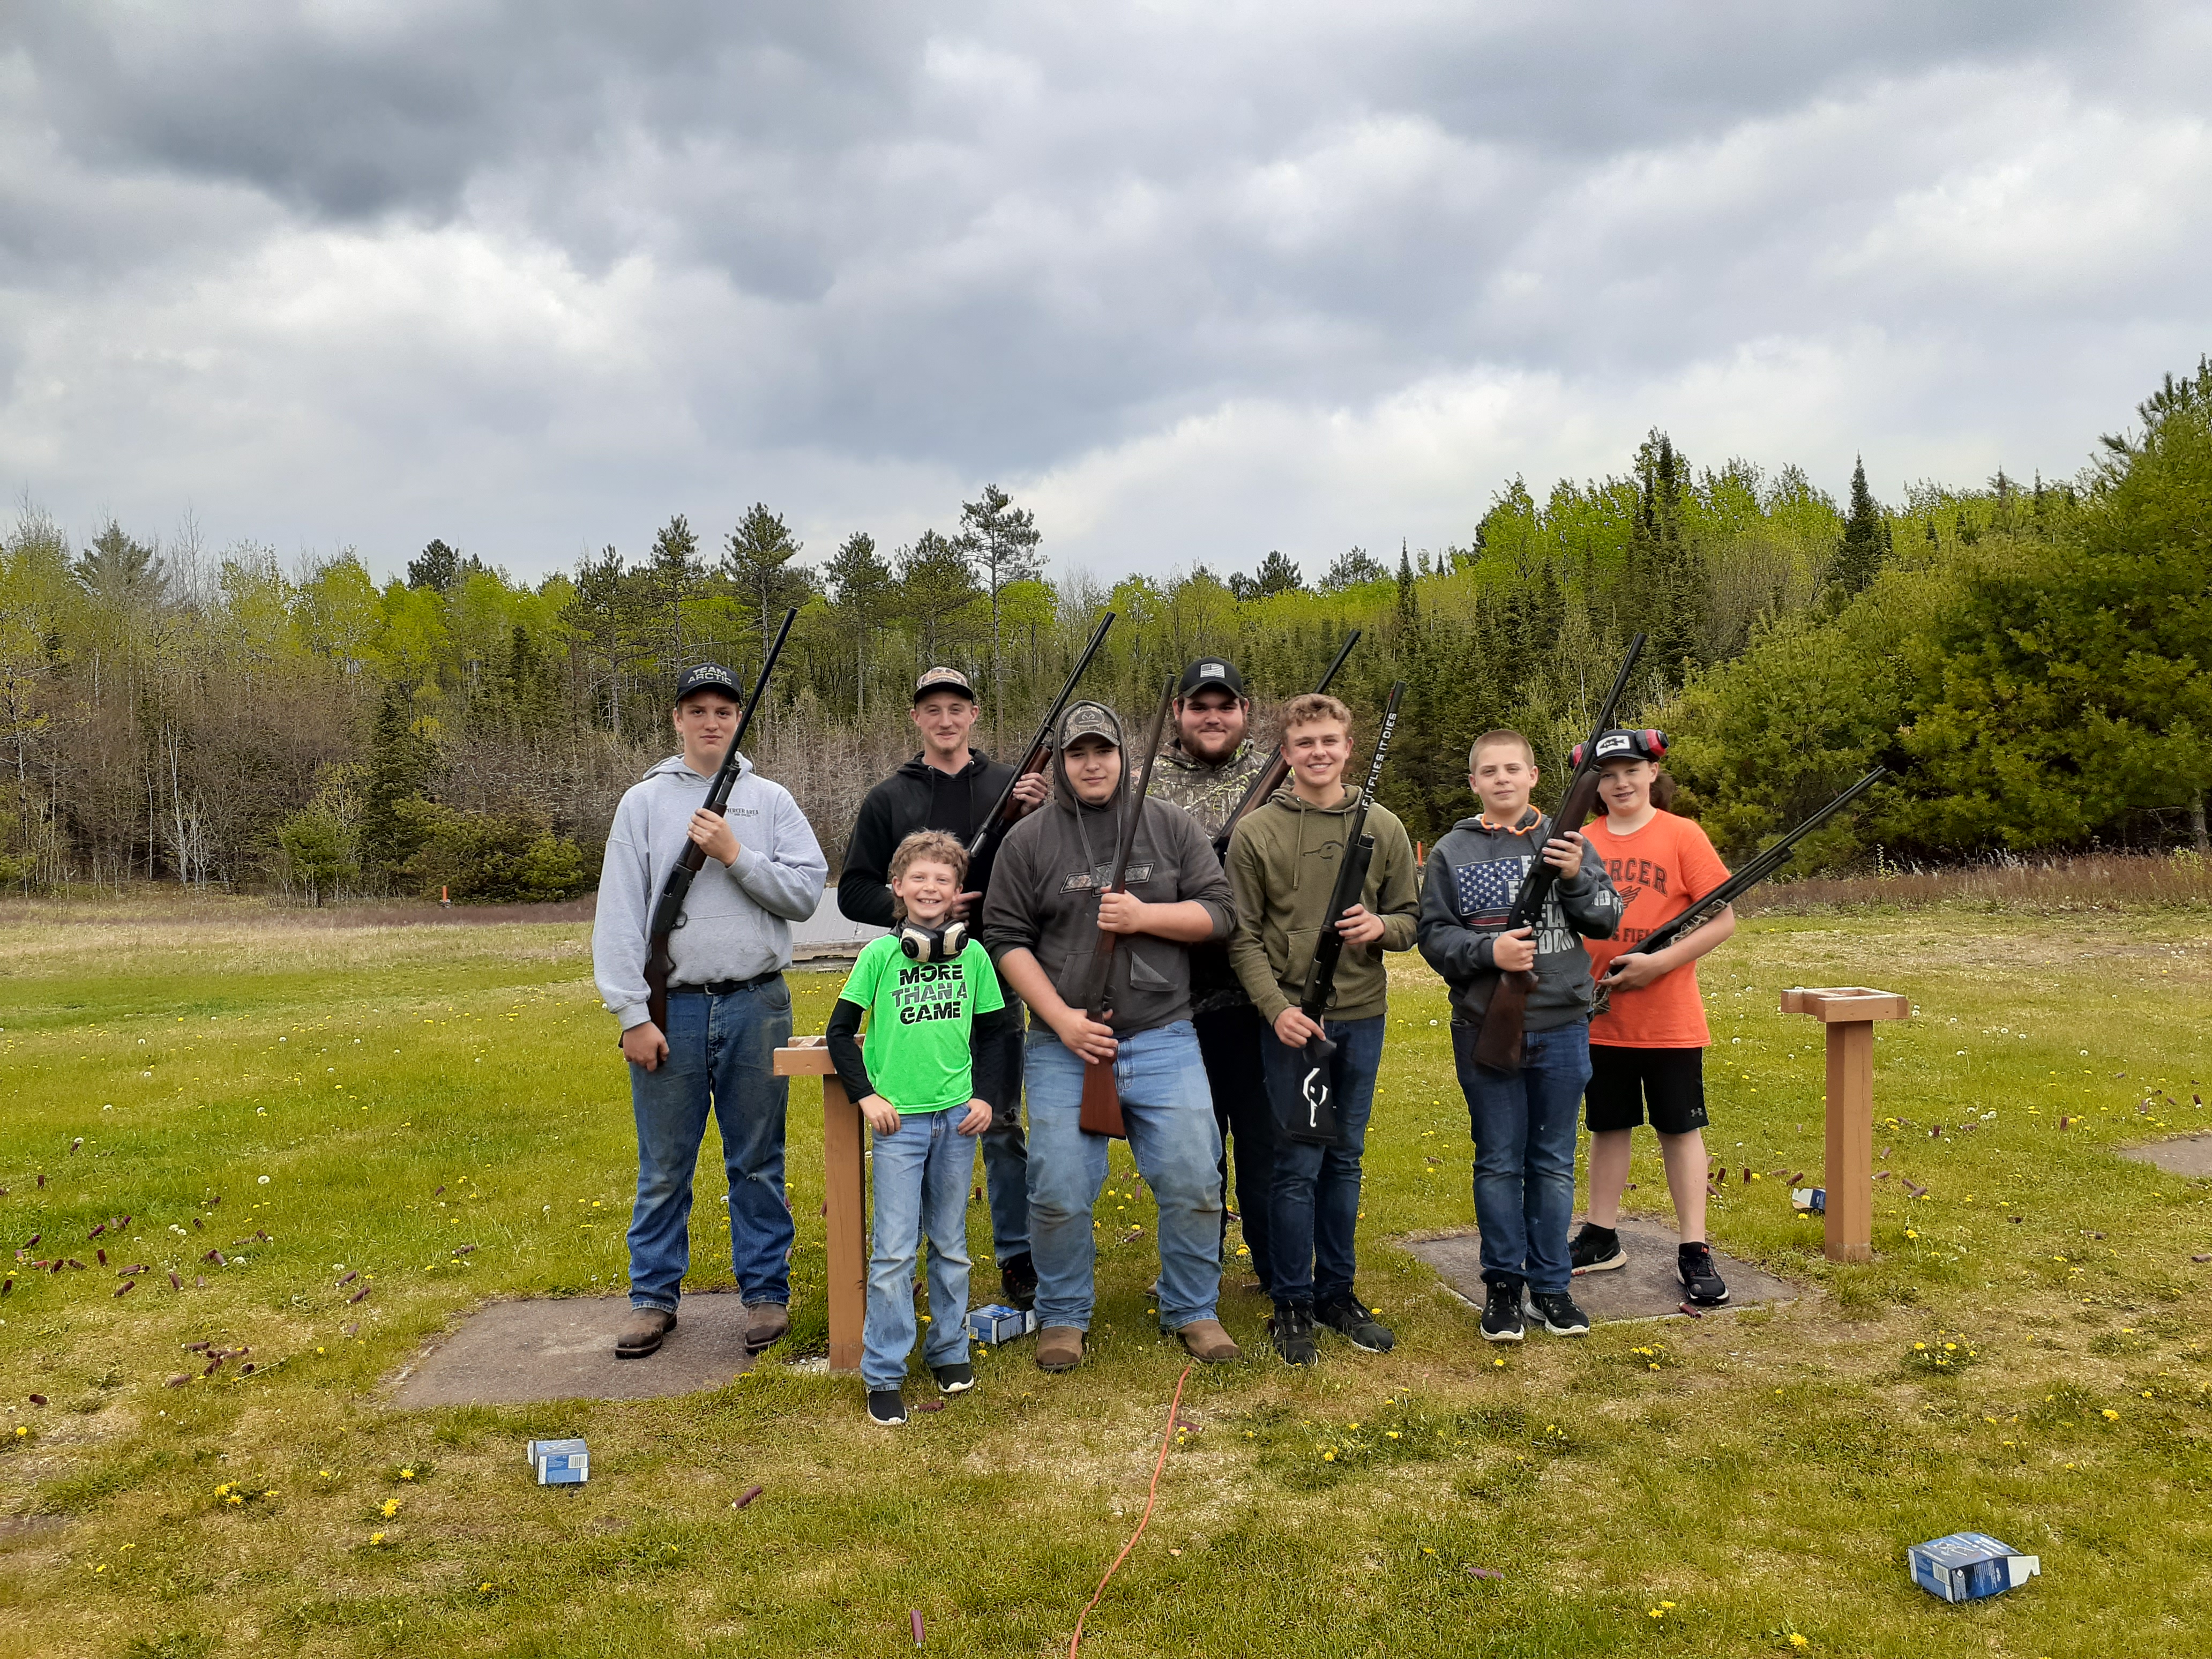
(1151, 1497)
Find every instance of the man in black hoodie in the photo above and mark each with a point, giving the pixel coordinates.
(951, 786)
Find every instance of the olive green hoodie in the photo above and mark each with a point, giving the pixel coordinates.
(1282, 862)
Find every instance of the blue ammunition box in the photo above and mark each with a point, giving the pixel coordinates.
(994, 1324)
(559, 1462)
(1968, 1565)
(1813, 1200)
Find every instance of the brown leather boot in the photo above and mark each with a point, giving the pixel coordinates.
(1060, 1348)
(640, 1333)
(1208, 1341)
(765, 1322)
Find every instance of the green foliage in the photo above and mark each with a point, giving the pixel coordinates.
(1865, 541)
(401, 762)
(318, 852)
(492, 858)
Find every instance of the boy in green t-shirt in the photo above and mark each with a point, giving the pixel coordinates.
(927, 992)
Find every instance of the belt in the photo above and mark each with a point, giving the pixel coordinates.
(723, 988)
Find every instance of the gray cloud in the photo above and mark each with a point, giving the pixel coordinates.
(535, 277)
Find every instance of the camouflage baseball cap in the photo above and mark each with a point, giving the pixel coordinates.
(1088, 720)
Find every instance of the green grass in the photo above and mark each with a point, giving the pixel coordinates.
(1750, 1476)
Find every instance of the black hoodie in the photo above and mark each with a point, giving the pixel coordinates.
(915, 797)
(1055, 863)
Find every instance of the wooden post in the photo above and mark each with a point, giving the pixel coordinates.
(1848, 1012)
(845, 1215)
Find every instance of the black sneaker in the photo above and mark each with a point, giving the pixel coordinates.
(1356, 1325)
(1018, 1278)
(1558, 1313)
(1501, 1312)
(1596, 1250)
(1694, 1266)
(1292, 1330)
(887, 1406)
(954, 1379)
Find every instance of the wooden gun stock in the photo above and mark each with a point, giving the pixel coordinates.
(1100, 1113)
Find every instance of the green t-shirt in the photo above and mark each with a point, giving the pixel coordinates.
(919, 1015)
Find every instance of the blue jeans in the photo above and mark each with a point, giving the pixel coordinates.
(1312, 1207)
(1169, 1116)
(922, 1177)
(1007, 1162)
(720, 1056)
(1524, 1152)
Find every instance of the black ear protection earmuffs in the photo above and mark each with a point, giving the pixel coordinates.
(923, 944)
(1647, 743)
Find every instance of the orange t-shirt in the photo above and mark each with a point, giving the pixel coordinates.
(1659, 871)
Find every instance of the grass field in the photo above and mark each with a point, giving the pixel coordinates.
(2027, 1355)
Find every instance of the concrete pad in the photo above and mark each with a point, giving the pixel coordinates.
(518, 1353)
(2183, 1155)
(1645, 1288)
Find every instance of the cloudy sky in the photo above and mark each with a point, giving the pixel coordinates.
(1193, 280)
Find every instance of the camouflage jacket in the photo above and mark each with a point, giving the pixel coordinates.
(1209, 794)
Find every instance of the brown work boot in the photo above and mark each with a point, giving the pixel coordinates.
(1208, 1341)
(1060, 1348)
(641, 1331)
(765, 1322)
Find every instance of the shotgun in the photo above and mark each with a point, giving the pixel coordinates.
(1320, 1126)
(1498, 1044)
(668, 910)
(1101, 1112)
(1756, 869)
(1271, 778)
(983, 847)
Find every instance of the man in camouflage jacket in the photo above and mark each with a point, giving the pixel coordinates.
(1206, 769)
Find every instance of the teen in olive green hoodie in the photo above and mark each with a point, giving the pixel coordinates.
(1283, 861)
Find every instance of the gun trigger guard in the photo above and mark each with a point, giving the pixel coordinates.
(681, 921)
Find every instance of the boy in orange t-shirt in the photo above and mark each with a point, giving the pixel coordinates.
(1647, 1048)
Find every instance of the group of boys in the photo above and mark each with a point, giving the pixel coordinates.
(983, 989)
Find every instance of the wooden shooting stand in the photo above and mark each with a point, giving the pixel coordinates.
(1848, 1012)
(845, 1208)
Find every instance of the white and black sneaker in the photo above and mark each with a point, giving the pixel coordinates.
(887, 1406)
(1557, 1310)
(1501, 1312)
(1596, 1250)
(954, 1379)
(1694, 1266)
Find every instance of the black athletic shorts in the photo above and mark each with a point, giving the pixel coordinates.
(1672, 1081)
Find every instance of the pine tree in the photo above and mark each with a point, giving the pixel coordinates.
(758, 558)
(934, 582)
(865, 589)
(437, 567)
(400, 763)
(1002, 541)
(120, 572)
(1276, 574)
(1865, 541)
(674, 575)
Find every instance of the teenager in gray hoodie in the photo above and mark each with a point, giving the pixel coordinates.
(1523, 1123)
(729, 1009)
(1043, 916)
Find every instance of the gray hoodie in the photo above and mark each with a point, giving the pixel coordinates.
(737, 919)
(1056, 862)
(1474, 873)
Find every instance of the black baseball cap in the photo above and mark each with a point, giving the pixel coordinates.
(944, 679)
(707, 676)
(1211, 671)
(1646, 744)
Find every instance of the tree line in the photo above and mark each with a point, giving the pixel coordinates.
(2028, 659)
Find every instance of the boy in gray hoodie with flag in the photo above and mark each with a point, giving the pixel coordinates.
(1523, 1123)
(729, 1009)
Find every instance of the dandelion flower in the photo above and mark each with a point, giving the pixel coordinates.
(390, 1508)
(1797, 1641)
(376, 1538)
